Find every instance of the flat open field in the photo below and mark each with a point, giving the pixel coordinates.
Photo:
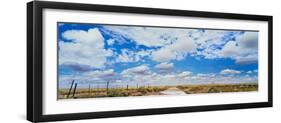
(155, 90)
(218, 88)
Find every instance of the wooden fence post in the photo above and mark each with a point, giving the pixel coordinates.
(70, 89)
(74, 91)
(89, 90)
(107, 85)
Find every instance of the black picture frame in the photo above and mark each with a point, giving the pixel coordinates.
(35, 69)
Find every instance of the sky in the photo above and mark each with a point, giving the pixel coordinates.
(92, 54)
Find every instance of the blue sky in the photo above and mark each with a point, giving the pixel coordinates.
(92, 54)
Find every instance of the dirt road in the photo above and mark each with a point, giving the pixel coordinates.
(173, 91)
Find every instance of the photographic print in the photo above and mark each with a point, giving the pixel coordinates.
(84, 58)
(102, 60)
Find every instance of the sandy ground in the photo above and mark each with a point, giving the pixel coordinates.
(173, 91)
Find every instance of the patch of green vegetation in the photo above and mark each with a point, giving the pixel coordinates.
(213, 90)
(143, 90)
(116, 93)
(147, 90)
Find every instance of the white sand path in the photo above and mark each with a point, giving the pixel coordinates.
(173, 91)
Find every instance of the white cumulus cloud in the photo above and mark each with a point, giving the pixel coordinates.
(185, 74)
(175, 51)
(143, 69)
(164, 66)
(147, 36)
(244, 50)
(110, 41)
(229, 72)
(101, 74)
(175, 43)
(86, 48)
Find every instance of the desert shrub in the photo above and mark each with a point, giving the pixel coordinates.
(150, 89)
(213, 90)
(143, 90)
(180, 87)
(156, 89)
(115, 93)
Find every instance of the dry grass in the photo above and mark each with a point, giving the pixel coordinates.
(217, 88)
(155, 90)
(112, 92)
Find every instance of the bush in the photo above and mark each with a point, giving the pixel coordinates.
(213, 90)
(115, 93)
(142, 90)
